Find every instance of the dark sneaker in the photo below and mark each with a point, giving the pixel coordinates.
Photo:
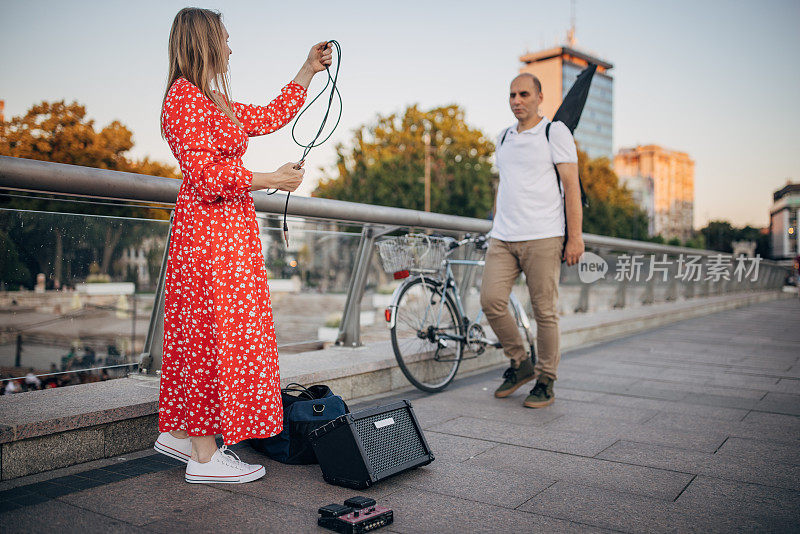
(541, 394)
(514, 378)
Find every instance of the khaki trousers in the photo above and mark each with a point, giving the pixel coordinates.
(540, 260)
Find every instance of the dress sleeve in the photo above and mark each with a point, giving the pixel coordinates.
(261, 120)
(213, 177)
(210, 174)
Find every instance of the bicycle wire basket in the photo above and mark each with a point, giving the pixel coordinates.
(403, 254)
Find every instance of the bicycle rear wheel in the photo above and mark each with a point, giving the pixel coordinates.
(425, 335)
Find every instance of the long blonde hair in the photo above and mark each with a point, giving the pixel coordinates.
(196, 48)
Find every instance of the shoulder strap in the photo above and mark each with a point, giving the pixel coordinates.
(503, 139)
(584, 200)
(547, 135)
(294, 387)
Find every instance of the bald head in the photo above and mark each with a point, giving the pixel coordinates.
(525, 97)
(529, 78)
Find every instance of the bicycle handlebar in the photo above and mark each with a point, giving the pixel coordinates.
(481, 241)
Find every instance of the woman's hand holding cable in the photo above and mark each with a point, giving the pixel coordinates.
(288, 177)
(319, 58)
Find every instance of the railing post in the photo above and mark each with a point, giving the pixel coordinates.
(688, 290)
(672, 290)
(150, 358)
(350, 327)
(648, 297)
(705, 289)
(620, 295)
(776, 279)
(583, 299)
(468, 272)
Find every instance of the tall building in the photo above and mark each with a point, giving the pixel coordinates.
(673, 186)
(557, 68)
(783, 218)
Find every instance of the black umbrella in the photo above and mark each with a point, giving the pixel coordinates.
(569, 112)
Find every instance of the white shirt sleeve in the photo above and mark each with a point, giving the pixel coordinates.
(562, 144)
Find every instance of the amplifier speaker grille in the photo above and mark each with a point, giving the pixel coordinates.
(358, 449)
(391, 445)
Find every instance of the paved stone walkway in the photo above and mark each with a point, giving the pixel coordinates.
(690, 427)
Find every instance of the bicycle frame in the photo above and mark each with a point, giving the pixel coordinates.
(449, 284)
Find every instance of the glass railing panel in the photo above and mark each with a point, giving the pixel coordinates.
(309, 279)
(76, 294)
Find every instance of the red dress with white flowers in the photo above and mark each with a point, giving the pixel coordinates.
(220, 361)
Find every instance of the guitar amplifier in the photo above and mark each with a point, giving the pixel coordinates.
(358, 449)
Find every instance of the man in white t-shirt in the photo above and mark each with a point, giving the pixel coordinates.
(528, 236)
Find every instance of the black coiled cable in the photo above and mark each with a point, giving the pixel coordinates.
(334, 92)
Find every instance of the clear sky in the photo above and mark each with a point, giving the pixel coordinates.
(715, 78)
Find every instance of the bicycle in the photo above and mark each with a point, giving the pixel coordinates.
(429, 327)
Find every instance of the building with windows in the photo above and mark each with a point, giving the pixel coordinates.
(557, 68)
(783, 219)
(672, 174)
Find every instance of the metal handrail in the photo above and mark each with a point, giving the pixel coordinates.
(42, 176)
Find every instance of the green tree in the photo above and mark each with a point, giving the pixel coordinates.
(719, 235)
(62, 133)
(698, 241)
(58, 245)
(612, 210)
(12, 269)
(384, 164)
(749, 233)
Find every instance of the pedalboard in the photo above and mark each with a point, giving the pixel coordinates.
(356, 515)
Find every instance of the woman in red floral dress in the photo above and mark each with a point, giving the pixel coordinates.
(220, 360)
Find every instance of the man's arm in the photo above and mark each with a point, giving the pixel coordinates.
(494, 202)
(572, 198)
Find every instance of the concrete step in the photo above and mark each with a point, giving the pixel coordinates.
(55, 428)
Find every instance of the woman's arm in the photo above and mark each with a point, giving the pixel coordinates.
(286, 178)
(261, 120)
(319, 58)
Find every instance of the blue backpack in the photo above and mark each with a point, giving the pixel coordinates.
(304, 410)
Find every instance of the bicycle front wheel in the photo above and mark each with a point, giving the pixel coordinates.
(426, 335)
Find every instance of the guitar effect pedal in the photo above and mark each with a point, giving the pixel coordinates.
(357, 515)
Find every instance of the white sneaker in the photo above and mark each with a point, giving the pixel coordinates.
(180, 449)
(224, 466)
